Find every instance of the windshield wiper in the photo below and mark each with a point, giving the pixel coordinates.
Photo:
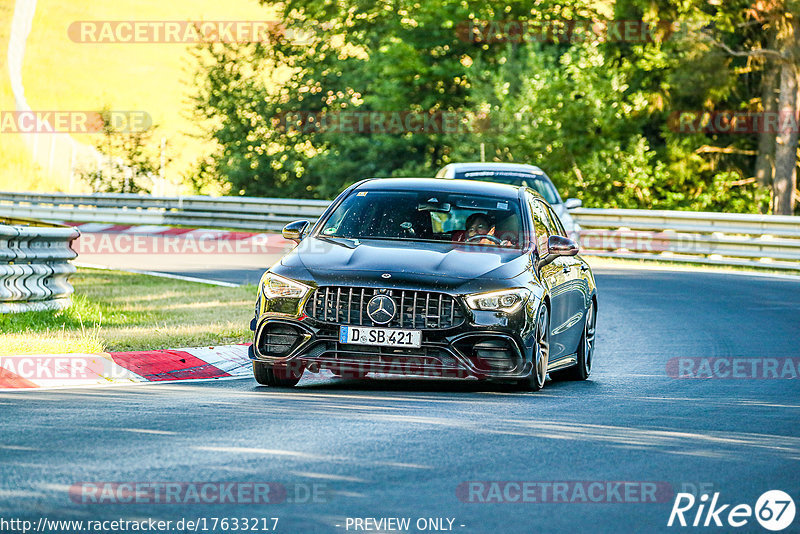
(421, 240)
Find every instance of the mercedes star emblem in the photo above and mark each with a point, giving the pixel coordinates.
(381, 309)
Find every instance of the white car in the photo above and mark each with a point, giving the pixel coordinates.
(518, 174)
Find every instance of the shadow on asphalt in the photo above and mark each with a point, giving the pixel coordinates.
(417, 385)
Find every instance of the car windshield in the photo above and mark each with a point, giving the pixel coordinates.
(537, 182)
(427, 216)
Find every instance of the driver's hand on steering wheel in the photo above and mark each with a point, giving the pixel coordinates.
(503, 243)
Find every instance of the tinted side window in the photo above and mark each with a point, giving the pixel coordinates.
(554, 223)
(540, 225)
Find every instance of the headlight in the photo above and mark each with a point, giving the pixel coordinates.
(506, 300)
(275, 286)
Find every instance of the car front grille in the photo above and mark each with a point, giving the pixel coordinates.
(414, 309)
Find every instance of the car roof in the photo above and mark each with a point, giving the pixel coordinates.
(450, 186)
(493, 166)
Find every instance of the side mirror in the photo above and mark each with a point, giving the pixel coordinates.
(294, 230)
(572, 203)
(561, 246)
(557, 246)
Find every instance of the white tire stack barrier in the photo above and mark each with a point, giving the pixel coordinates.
(35, 265)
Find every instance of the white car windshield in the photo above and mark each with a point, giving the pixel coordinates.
(537, 182)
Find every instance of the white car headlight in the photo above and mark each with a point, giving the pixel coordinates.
(506, 300)
(276, 286)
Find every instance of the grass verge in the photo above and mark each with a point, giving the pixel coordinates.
(117, 311)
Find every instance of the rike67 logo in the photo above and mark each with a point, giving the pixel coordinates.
(774, 510)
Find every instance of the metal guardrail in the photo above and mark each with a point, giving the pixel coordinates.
(698, 237)
(731, 239)
(243, 213)
(34, 265)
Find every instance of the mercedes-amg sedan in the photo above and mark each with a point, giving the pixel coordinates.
(428, 277)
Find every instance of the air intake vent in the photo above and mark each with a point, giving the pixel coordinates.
(489, 353)
(278, 340)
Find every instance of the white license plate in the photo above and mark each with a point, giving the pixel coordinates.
(384, 337)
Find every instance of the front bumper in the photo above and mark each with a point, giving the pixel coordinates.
(487, 345)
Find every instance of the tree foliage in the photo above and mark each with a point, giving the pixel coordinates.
(597, 113)
(130, 161)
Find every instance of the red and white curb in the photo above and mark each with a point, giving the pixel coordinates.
(120, 368)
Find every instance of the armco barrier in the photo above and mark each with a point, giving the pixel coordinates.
(34, 265)
(731, 239)
(243, 213)
(699, 237)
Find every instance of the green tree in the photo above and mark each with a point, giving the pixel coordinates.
(598, 115)
(363, 56)
(129, 162)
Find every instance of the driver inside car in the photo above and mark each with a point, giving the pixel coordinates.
(480, 224)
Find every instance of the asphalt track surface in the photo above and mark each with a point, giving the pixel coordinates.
(391, 447)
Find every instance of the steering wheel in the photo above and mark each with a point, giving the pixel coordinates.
(491, 238)
(408, 228)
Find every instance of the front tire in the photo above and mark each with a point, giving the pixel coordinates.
(538, 375)
(582, 369)
(281, 377)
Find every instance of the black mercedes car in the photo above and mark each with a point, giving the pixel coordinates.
(428, 277)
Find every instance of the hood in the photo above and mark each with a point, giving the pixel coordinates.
(332, 260)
